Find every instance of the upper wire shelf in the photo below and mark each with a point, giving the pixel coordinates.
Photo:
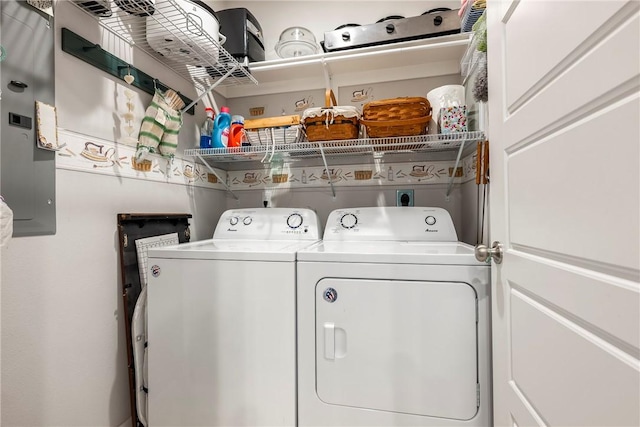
(173, 36)
(353, 147)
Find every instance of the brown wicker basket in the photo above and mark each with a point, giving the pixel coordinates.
(361, 175)
(396, 117)
(322, 128)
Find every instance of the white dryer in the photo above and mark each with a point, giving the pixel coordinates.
(393, 323)
(221, 322)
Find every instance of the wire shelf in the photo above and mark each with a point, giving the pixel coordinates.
(173, 36)
(352, 147)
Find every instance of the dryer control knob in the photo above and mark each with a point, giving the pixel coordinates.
(294, 220)
(247, 220)
(348, 220)
(430, 220)
(233, 220)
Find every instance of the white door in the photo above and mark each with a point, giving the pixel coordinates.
(564, 131)
(418, 338)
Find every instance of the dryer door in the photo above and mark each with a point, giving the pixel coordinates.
(401, 346)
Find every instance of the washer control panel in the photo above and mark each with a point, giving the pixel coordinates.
(420, 224)
(268, 224)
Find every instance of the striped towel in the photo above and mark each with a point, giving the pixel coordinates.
(160, 127)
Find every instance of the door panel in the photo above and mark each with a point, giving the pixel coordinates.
(583, 86)
(560, 194)
(423, 362)
(535, 21)
(615, 317)
(565, 356)
(565, 200)
(18, 145)
(27, 172)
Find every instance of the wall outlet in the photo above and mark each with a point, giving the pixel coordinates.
(404, 197)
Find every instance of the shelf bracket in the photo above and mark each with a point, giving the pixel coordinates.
(455, 168)
(326, 169)
(327, 75)
(220, 180)
(214, 85)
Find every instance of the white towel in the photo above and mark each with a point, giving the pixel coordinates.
(6, 224)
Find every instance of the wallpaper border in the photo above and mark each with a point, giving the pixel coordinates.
(89, 154)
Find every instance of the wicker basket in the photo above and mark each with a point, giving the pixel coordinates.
(363, 175)
(279, 178)
(396, 117)
(328, 124)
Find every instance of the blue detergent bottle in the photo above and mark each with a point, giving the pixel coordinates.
(221, 126)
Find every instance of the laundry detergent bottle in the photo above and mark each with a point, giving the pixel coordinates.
(207, 129)
(221, 126)
(236, 133)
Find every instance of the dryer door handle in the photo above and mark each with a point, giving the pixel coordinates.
(335, 342)
(329, 341)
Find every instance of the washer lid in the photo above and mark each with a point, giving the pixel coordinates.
(449, 253)
(228, 249)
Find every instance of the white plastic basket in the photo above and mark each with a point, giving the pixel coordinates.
(281, 135)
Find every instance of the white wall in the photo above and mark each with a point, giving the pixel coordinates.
(63, 348)
(64, 354)
(322, 201)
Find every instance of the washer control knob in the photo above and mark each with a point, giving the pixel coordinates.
(437, 20)
(294, 220)
(233, 220)
(430, 220)
(390, 28)
(346, 36)
(348, 220)
(247, 220)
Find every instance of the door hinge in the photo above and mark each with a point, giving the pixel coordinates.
(477, 395)
(125, 240)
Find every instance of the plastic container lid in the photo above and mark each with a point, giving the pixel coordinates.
(296, 41)
(224, 109)
(237, 119)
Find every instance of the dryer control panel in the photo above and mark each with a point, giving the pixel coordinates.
(418, 224)
(268, 224)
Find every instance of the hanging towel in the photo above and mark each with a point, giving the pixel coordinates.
(159, 129)
(6, 224)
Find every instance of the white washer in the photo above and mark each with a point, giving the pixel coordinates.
(393, 323)
(221, 322)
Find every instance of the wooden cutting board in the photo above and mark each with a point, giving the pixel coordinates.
(272, 122)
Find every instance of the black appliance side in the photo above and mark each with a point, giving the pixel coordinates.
(244, 34)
